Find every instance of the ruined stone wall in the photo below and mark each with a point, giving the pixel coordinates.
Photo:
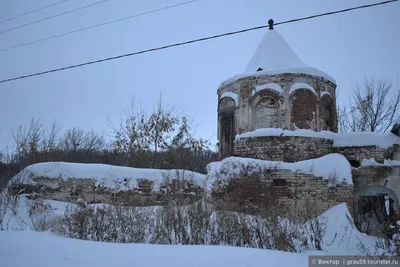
(248, 98)
(283, 148)
(365, 152)
(294, 193)
(143, 194)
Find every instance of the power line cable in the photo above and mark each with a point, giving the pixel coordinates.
(95, 26)
(32, 11)
(192, 41)
(54, 16)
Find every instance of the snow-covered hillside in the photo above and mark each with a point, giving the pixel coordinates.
(34, 249)
(28, 248)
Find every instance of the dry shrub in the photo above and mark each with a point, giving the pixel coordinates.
(188, 224)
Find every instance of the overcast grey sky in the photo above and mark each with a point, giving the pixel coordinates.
(347, 46)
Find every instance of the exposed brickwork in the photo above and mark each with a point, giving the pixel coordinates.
(266, 113)
(283, 148)
(141, 195)
(367, 176)
(365, 152)
(301, 193)
(304, 108)
(327, 111)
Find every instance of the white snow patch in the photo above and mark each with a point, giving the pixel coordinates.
(325, 93)
(272, 86)
(333, 167)
(369, 162)
(30, 248)
(232, 95)
(386, 162)
(108, 176)
(342, 237)
(273, 52)
(356, 139)
(296, 86)
(289, 70)
(389, 162)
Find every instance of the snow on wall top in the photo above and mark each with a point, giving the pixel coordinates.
(273, 52)
(232, 95)
(383, 140)
(325, 93)
(108, 176)
(327, 167)
(386, 162)
(290, 70)
(272, 86)
(296, 86)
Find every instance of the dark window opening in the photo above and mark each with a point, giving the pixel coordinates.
(354, 163)
(279, 182)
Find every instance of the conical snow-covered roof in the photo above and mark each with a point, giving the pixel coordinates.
(274, 56)
(273, 53)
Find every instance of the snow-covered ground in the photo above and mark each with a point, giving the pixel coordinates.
(105, 175)
(34, 249)
(28, 248)
(383, 140)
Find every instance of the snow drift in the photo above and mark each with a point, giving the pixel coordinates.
(108, 176)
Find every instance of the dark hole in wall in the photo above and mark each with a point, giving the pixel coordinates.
(354, 163)
(279, 182)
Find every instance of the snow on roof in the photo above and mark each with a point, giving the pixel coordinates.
(325, 93)
(327, 167)
(273, 52)
(272, 86)
(357, 139)
(232, 95)
(108, 176)
(296, 86)
(274, 56)
(290, 70)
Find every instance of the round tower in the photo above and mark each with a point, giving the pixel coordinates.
(276, 90)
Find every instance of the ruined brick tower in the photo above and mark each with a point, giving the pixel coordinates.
(276, 90)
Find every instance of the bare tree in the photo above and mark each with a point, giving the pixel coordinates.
(49, 142)
(373, 107)
(72, 139)
(27, 140)
(93, 141)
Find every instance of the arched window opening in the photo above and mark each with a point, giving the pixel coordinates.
(376, 206)
(226, 104)
(304, 103)
(266, 113)
(227, 122)
(327, 113)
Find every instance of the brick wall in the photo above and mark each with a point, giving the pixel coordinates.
(365, 152)
(245, 87)
(266, 113)
(304, 108)
(141, 195)
(295, 193)
(367, 176)
(283, 148)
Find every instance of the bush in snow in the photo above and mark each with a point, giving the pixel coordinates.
(194, 224)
